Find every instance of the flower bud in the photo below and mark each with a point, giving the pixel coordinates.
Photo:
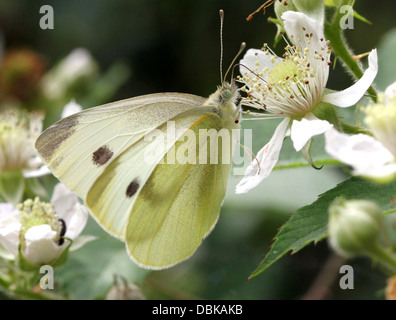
(77, 68)
(354, 226)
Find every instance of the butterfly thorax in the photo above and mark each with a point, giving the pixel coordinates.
(225, 100)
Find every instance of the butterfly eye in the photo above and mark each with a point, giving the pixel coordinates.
(227, 94)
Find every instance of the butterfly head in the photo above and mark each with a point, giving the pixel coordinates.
(228, 92)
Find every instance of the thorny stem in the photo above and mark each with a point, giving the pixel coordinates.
(333, 32)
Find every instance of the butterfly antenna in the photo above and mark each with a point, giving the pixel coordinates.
(242, 47)
(221, 43)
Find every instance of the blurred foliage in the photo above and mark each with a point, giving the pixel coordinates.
(146, 46)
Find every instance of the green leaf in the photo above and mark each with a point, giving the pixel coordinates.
(309, 223)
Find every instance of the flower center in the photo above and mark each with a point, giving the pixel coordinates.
(18, 130)
(291, 86)
(283, 72)
(36, 213)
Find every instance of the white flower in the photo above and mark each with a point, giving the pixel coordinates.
(79, 63)
(71, 108)
(293, 88)
(40, 228)
(371, 157)
(18, 131)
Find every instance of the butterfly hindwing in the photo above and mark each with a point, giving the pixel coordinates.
(178, 205)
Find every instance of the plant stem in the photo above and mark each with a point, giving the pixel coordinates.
(384, 256)
(333, 33)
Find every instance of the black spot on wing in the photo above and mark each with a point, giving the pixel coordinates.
(132, 188)
(102, 155)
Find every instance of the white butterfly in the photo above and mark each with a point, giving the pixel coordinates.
(162, 211)
(161, 208)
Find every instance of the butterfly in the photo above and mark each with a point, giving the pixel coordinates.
(161, 208)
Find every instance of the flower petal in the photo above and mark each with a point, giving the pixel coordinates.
(77, 222)
(256, 60)
(64, 202)
(380, 173)
(9, 234)
(354, 93)
(7, 209)
(70, 210)
(81, 242)
(309, 126)
(40, 245)
(267, 157)
(35, 173)
(71, 108)
(367, 156)
(306, 32)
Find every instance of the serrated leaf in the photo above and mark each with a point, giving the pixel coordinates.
(309, 223)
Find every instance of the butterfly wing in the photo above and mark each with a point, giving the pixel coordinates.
(174, 207)
(161, 208)
(79, 148)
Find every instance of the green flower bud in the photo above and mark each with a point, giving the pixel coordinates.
(354, 226)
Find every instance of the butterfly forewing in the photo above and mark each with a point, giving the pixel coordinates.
(134, 183)
(113, 194)
(77, 149)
